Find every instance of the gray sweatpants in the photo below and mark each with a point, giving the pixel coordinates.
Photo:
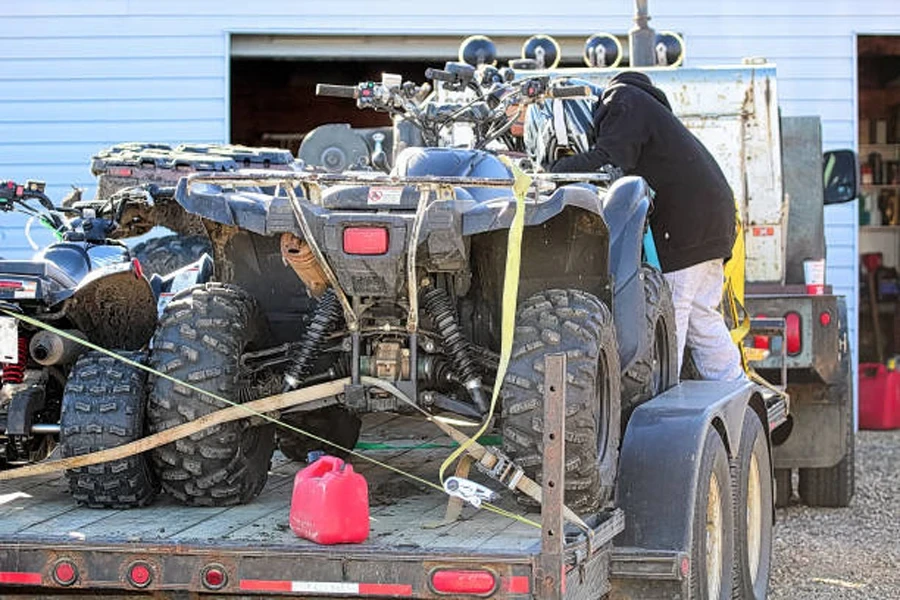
(696, 293)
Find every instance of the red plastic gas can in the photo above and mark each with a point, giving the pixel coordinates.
(879, 397)
(330, 504)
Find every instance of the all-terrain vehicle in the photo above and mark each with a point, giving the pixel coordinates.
(134, 165)
(54, 391)
(399, 276)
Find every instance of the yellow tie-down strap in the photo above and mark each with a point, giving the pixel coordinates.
(521, 184)
(733, 290)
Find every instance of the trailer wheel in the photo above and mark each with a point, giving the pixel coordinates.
(783, 488)
(103, 407)
(580, 325)
(201, 336)
(752, 483)
(168, 253)
(656, 370)
(712, 547)
(333, 423)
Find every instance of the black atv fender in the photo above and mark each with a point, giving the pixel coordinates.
(115, 307)
(618, 231)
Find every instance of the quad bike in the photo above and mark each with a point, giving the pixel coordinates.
(399, 276)
(133, 165)
(54, 391)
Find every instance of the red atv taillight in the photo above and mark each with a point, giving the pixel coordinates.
(366, 240)
(793, 331)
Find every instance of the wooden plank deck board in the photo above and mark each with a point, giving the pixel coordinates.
(42, 507)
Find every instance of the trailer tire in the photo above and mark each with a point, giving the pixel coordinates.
(657, 369)
(752, 484)
(333, 423)
(168, 253)
(201, 336)
(103, 406)
(580, 325)
(712, 545)
(784, 490)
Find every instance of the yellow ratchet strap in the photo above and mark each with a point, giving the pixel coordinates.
(510, 293)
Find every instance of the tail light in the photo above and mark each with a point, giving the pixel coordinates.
(366, 240)
(215, 577)
(793, 331)
(139, 574)
(65, 572)
(463, 581)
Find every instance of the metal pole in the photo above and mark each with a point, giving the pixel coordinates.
(549, 572)
(641, 38)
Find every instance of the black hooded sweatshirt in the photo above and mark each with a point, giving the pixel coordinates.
(693, 218)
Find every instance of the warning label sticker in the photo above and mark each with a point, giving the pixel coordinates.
(387, 196)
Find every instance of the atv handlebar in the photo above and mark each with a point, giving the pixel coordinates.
(337, 91)
(569, 91)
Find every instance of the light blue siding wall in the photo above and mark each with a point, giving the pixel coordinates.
(77, 76)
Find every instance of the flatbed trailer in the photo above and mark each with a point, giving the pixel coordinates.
(49, 546)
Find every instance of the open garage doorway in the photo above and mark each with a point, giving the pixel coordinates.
(274, 77)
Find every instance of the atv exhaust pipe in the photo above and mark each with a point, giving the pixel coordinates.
(48, 348)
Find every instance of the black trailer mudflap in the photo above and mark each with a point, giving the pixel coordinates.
(649, 574)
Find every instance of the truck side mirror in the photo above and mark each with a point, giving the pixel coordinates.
(840, 174)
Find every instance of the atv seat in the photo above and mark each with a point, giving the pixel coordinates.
(42, 269)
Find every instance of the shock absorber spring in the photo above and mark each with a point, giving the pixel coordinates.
(328, 312)
(15, 372)
(437, 304)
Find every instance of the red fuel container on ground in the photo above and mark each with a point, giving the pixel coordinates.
(330, 504)
(879, 397)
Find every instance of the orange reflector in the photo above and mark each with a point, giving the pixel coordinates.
(366, 240)
(460, 581)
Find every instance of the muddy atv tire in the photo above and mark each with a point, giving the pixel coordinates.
(580, 325)
(165, 254)
(201, 336)
(103, 406)
(657, 369)
(333, 423)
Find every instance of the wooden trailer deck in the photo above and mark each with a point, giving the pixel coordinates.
(41, 510)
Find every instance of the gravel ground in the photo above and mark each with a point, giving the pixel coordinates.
(831, 554)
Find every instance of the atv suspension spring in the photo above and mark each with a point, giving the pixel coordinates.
(328, 312)
(436, 302)
(15, 372)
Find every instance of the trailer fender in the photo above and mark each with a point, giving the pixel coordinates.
(660, 456)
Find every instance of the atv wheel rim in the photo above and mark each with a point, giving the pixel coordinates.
(713, 538)
(754, 517)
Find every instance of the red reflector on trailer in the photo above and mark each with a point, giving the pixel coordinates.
(825, 318)
(792, 333)
(214, 577)
(20, 578)
(365, 240)
(517, 584)
(460, 581)
(65, 573)
(139, 575)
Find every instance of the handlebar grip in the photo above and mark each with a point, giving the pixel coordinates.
(439, 75)
(338, 91)
(570, 91)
